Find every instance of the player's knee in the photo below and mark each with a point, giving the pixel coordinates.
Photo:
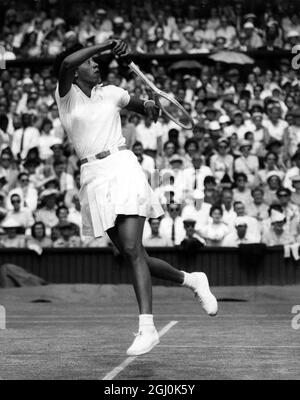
(131, 251)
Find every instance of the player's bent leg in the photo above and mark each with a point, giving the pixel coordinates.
(130, 247)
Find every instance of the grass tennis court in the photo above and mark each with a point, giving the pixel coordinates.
(84, 331)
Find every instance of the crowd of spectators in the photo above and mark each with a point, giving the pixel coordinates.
(30, 30)
(234, 179)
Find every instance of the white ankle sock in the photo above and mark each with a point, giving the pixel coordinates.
(188, 280)
(146, 322)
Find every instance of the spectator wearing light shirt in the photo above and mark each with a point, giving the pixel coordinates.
(274, 124)
(198, 210)
(155, 238)
(66, 181)
(252, 223)
(150, 135)
(241, 234)
(229, 214)
(247, 163)
(194, 177)
(278, 234)
(147, 162)
(292, 172)
(238, 126)
(172, 225)
(25, 138)
(20, 214)
(227, 31)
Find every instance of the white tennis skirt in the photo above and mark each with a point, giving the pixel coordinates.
(112, 186)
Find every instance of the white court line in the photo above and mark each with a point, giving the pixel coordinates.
(112, 374)
(231, 347)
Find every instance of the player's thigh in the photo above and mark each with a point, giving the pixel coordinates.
(130, 228)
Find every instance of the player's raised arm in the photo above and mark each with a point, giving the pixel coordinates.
(65, 65)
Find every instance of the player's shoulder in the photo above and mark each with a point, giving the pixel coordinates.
(71, 92)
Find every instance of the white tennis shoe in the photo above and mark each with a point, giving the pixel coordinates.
(202, 292)
(144, 341)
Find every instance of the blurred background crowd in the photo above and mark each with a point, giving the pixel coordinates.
(233, 179)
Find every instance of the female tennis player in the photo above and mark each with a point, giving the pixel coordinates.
(115, 195)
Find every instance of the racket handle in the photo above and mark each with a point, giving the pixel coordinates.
(126, 59)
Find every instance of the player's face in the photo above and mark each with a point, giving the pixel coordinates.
(89, 72)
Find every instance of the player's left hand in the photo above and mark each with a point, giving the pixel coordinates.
(152, 110)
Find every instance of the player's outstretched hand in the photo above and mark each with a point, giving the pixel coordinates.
(120, 48)
(152, 110)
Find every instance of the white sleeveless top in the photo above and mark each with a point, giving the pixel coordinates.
(93, 123)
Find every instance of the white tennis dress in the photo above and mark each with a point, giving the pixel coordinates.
(115, 184)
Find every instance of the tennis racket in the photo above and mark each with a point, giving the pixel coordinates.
(168, 104)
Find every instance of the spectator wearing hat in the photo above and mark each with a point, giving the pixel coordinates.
(247, 163)
(253, 225)
(154, 237)
(270, 164)
(25, 138)
(258, 208)
(292, 39)
(57, 151)
(192, 241)
(291, 137)
(12, 239)
(240, 235)
(274, 182)
(241, 192)
(198, 209)
(293, 171)
(278, 234)
(177, 168)
(221, 163)
(215, 230)
(253, 41)
(171, 225)
(295, 197)
(289, 209)
(47, 213)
